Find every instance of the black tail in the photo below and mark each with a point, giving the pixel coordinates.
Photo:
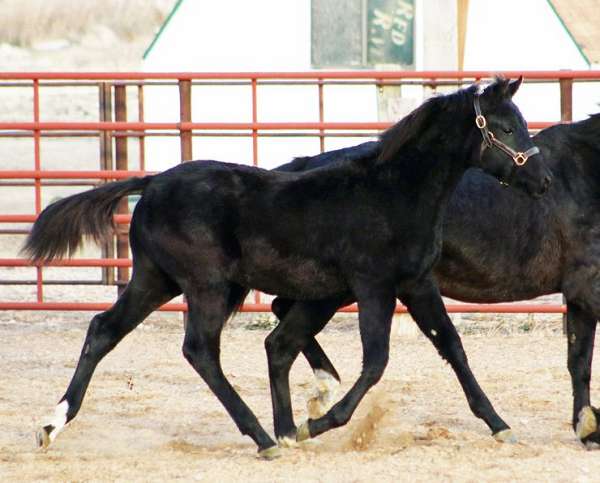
(60, 228)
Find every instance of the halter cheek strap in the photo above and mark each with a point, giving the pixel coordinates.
(519, 157)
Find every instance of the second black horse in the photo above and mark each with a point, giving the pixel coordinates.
(501, 246)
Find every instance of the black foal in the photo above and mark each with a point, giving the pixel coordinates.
(214, 230)
(304, 319)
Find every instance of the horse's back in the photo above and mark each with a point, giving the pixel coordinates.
(360, 152)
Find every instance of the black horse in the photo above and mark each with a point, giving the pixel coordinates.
(546, 246)
(213, 230)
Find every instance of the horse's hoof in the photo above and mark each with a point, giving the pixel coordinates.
(505, 436)
(270, 453)
(586, 423)
(287, 442)
(303, 433)
(42, 437)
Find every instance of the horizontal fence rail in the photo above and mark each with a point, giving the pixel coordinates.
(261, 307)
(113, 129)
(427, 75)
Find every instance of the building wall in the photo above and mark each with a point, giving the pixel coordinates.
(527, 35)
(237, 35)
(275, 35)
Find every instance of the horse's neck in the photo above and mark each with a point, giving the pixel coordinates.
(431, 176)
(581, 172)
(573, 154)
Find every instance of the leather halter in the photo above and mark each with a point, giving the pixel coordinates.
(519, 157)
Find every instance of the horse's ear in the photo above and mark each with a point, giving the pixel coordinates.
(498, 91)
(513, 86)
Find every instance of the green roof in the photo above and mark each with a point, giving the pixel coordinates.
(569, 33)
(162, 27)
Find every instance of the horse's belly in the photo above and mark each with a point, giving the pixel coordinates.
(293, 278)
(481, 287)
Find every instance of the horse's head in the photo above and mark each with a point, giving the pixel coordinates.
(507, 151)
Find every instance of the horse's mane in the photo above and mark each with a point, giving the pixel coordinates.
(414, 125)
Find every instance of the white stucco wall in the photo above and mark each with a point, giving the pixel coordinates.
(238, 35)
(274, 35)
(527, 35)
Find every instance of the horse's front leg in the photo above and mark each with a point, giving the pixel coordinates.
(376, 304)
(426, 307)
(581, 330)
(209, 309)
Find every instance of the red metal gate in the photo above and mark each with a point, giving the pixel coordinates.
(114, 125)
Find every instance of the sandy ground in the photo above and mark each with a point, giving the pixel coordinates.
(148, 416)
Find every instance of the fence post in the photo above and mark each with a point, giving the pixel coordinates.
(185, 135)
(566, 115)
(121, 161)
(106, 162)
(566, 99)
(254, 89)
(142, 138)
(185, 115)
(321, 116)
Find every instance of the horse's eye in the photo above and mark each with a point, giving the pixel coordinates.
(507, 130)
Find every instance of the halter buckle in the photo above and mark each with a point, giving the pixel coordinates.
(520, 159)
(480, 121)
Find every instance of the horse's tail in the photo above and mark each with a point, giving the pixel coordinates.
(61, 226)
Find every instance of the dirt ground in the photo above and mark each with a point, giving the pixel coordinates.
(148, 416)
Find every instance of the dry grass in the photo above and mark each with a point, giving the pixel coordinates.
(26, 22)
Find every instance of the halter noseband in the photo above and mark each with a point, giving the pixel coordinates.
(520, 158)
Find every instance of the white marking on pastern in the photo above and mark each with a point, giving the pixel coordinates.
(325, 392)
(57, 421)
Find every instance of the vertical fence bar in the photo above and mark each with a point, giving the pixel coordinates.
(185, 136)
(321, 116)
(38, 181)
(142, 138)
(255, 148)
(122, 163)
(106, 163)
(254, 120)
(566, 99)
(185, 115)
(566, 115)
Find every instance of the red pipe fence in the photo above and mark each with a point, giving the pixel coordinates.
(113, 125)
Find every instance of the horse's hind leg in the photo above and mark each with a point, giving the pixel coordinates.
(327, 379)
(376, 302)
(301, 323)
(581, 330)
(147, 290)
(208, 311)
(426, 307)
